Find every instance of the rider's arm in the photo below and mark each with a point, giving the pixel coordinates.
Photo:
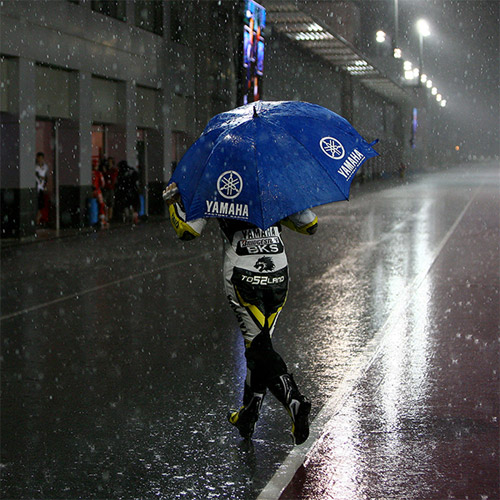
(185, 230)
(304, 222)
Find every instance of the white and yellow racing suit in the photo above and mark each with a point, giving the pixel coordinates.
(256, 283)
(255, 266)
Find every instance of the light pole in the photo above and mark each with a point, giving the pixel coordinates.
(396, 49)
(423, 30)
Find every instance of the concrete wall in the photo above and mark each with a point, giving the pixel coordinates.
(292, 74)
(72, 36)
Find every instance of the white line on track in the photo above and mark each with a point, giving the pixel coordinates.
(358, 368)
(76, 295)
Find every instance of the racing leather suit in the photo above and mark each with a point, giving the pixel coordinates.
(256, 283)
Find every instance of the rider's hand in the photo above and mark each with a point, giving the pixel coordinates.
(171, 194)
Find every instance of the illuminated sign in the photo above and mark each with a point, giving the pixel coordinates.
(253, 50)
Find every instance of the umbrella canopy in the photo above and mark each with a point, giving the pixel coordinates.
(267, 160)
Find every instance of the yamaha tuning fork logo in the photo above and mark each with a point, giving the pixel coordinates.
(335, 150)
(332, 148)
(229, 186)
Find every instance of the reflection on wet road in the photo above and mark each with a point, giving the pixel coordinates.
(121, 356)
(420, 421)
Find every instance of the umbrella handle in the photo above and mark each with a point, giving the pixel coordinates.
(170, 193)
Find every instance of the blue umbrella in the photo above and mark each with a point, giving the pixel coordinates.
(267, 160)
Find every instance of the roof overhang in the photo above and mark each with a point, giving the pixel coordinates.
(313, 35)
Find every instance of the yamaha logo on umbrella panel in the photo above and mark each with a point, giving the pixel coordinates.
(229, 184)
(332, 148)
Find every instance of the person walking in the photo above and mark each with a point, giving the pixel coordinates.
(42, 178)
(256, 284)
(98, 186)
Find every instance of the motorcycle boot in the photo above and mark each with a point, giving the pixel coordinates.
(298, 406)
(246, 417)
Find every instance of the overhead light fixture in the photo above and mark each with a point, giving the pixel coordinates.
(314, 27)
(443, 103)
(423, 77)
(434, 91)
(423, 27)
(359, 67)
(439, 97)
(313, 35)
(407, 65)
(397, 53)
(428, 84)
(380, 36)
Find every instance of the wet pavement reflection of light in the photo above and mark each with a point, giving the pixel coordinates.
(422, 422)
(342, 466)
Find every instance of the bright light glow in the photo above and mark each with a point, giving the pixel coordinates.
(423, 27)
(416, 72)
(314, 27)
(407, 65)
(313, 35)
(409, 75)
(434, 91)
(439, 97)
(457, 148)
(423, 78)
(359, 67)
(380, 37)
(397, 53)
(429, 84)
(443, 103)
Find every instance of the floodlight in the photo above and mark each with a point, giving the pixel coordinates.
(423, 27)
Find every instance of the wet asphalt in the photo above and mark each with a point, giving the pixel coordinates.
(121, 356)
(420, 420)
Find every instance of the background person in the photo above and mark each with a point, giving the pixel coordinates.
(98, 186)
(127, 192)
(110, 173)
(42, 178)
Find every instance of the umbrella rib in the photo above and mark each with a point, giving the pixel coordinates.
(308, 152)
(258, 179)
